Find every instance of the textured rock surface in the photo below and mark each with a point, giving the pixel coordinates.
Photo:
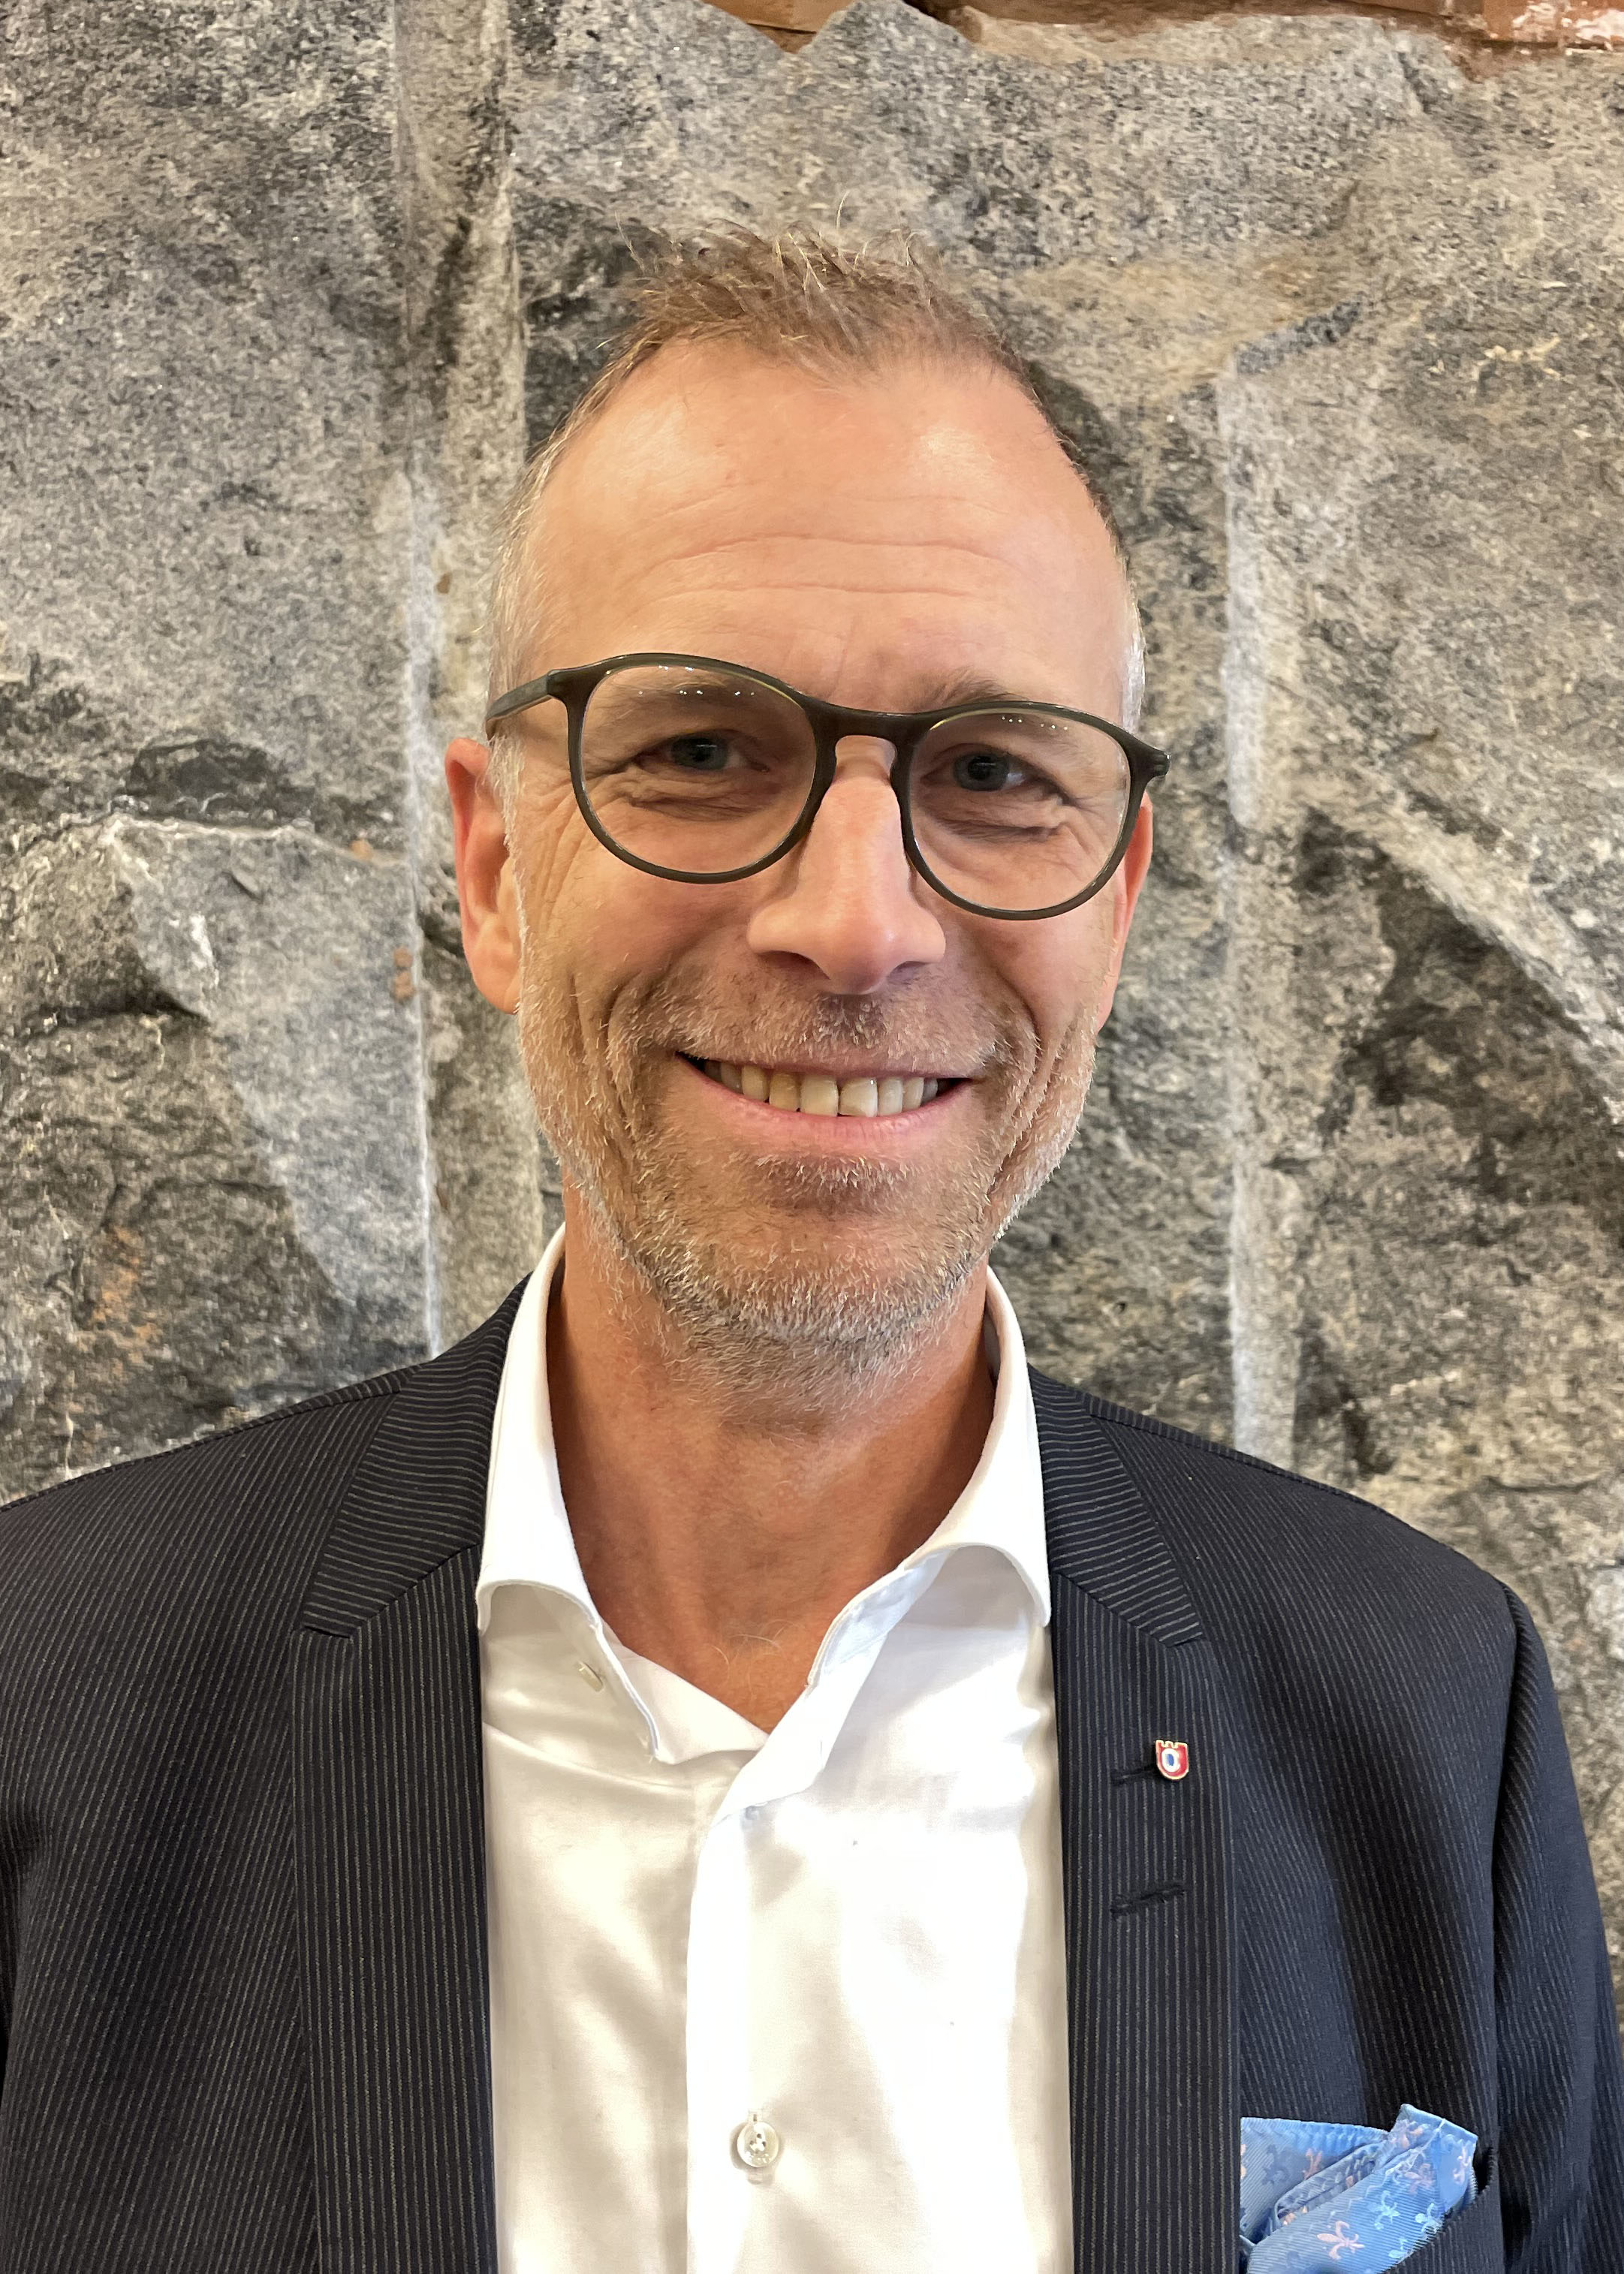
(213, 1166)
(1426, 561)
(466, 425)
(1336, 321)
(208, 1205)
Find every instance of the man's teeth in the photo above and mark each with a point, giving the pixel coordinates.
(865, 1094)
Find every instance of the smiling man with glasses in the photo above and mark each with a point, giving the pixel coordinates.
(727, 1771)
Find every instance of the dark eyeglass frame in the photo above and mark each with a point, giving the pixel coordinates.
(830, 723)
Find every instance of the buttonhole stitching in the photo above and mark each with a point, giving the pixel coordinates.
(1162, 1894)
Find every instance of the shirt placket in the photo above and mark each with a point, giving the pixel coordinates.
(735, 2148)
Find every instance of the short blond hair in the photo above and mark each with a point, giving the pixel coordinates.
(802, 298)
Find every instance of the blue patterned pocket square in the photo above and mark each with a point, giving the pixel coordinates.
(1320, 2198)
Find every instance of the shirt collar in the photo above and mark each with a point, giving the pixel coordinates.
(1002, 1506)
(528, 1542)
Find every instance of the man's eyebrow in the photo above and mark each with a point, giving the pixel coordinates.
(969, 686)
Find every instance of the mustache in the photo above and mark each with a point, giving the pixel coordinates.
(960, 1035)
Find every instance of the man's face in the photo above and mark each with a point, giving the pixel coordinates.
(883, 545)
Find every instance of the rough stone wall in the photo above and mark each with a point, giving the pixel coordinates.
(1522, 23)
(283, 292)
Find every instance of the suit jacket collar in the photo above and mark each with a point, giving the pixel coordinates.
(389, 1815)
(390, 1832)
(1155, 2114)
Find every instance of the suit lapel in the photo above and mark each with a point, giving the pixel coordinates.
(389, 1810)
(389, 1803)
(1155, 2120)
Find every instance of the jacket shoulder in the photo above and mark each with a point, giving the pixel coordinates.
(226, 1530)
(1294, 1551)
(176, 1553)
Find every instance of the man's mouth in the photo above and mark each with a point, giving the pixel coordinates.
(791, 1090)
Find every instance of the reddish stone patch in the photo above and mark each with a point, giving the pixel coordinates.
(1515, 23)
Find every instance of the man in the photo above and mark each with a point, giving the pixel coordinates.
(724, 1769)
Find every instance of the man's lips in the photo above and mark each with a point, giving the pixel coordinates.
(868, 1094)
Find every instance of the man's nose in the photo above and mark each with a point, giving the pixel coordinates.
(846, 899)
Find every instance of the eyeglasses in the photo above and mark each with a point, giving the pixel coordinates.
(705, 773)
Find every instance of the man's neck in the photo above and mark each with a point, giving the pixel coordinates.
(721, 1540)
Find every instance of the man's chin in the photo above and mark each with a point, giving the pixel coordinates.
(817, 1298)
(849, 1200)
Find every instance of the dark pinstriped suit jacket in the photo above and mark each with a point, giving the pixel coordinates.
(242, 1934)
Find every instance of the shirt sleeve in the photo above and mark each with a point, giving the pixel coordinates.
(1562, 2078)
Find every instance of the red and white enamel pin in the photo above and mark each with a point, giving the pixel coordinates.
(1172, 1759)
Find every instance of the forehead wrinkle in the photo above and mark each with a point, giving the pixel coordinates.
(663, 547)
(844, 587)
(796, 566)
(842, 540)
(871, 518)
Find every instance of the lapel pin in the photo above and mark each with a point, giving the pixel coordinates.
(1172, 1759)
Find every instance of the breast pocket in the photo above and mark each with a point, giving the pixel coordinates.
(1469, 2241)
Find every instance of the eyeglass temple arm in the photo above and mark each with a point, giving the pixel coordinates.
(1155, 760)
(519, 698)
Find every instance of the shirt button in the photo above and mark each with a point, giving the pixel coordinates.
(590, 1674)
(756, 2144)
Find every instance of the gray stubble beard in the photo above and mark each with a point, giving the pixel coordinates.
(808, 1331)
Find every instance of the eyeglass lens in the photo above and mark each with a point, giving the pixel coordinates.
(704, 771)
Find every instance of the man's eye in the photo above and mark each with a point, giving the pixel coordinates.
(697, 754)
(986, 769)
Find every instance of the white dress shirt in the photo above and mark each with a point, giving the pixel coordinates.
(777, 2004)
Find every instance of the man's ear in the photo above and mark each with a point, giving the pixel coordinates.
(486, 889)
(1125, 889)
